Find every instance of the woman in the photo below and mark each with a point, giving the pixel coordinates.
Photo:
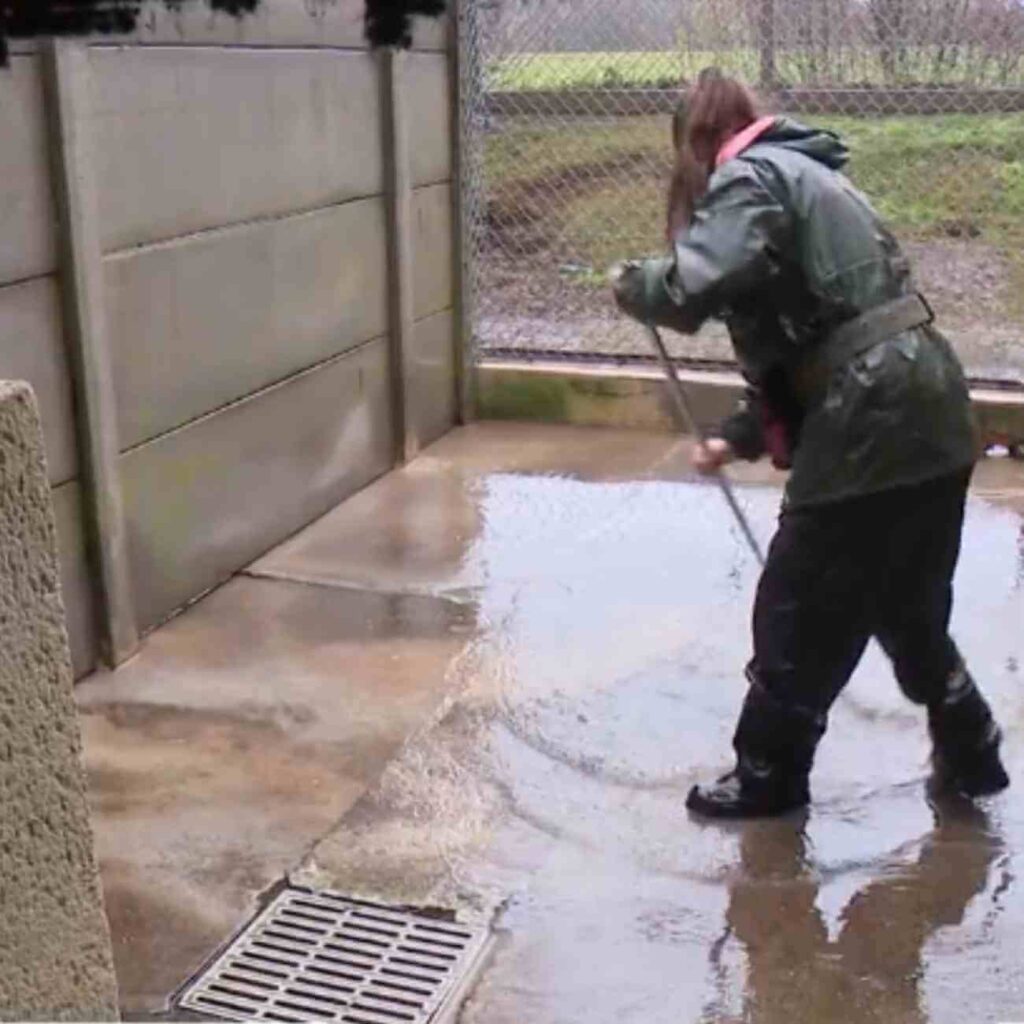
(853, 388)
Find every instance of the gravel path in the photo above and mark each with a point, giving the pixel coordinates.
(966, 282)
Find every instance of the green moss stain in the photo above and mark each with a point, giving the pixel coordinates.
(509, 396)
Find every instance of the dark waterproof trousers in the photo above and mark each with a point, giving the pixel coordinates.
(837, 575)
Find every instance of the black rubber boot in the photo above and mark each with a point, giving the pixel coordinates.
(775, 747)
(965, 741)
(750, 790)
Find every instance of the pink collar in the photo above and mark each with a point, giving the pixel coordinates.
(741, 140)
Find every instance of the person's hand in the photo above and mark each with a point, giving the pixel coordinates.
(627, 283)
(623, 278)
(711, 455)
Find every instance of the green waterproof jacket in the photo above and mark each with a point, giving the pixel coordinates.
(784, 250)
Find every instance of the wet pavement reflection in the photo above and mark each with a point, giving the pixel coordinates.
(605, 680)
(871, 968)
(487, 683)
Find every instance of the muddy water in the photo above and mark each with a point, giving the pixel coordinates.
(606, 681)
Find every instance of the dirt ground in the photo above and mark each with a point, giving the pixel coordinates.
(532, 303)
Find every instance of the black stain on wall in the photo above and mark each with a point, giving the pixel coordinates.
(28, 19)
(389, 22)
(236, 8)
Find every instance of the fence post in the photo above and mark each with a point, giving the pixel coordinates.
(67, 88)
(769, 76)
(462, 55)
(398, 196)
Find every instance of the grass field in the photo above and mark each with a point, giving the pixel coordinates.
(592, 192)
(550, 71)
(665, 69)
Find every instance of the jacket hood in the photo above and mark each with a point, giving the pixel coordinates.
(824, 146)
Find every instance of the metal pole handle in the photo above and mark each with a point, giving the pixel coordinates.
(683, 406)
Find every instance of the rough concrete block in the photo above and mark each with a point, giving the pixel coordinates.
(76, 578)
(251, 133)
(32, 349)
(201, 323)
(205, 501)
(27, 244)
(54, 940)
(430, 118)
(433, 376)
(433, 287)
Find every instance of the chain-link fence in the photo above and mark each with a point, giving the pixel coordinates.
(570, 154)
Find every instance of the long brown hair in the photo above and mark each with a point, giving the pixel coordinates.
(711, 111)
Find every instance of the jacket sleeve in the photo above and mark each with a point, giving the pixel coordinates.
(728, 250)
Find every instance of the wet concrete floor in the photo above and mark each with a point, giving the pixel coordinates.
(487, 682)
(240, 735)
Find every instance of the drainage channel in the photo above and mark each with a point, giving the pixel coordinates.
(321, 956)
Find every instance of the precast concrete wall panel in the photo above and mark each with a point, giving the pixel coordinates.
(27, 243)
(206, 500)
(75, 578)
(199, 323)
(227, 233)
(32, 349)
(430, 118)
(433, 377)
(433, 285)
(188, 139)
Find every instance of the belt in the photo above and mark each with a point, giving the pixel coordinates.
(856, 336)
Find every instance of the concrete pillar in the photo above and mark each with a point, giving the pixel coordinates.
(55, 953)
(463, 61)
(67, 91)
(398, 194)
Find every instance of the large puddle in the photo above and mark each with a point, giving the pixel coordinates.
(606, 679)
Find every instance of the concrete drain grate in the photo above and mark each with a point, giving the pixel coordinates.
(319, 956)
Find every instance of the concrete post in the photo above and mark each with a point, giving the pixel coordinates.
(765, 25)
(398, 193)
(460, 62)
(55, 952)
(66, 75)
